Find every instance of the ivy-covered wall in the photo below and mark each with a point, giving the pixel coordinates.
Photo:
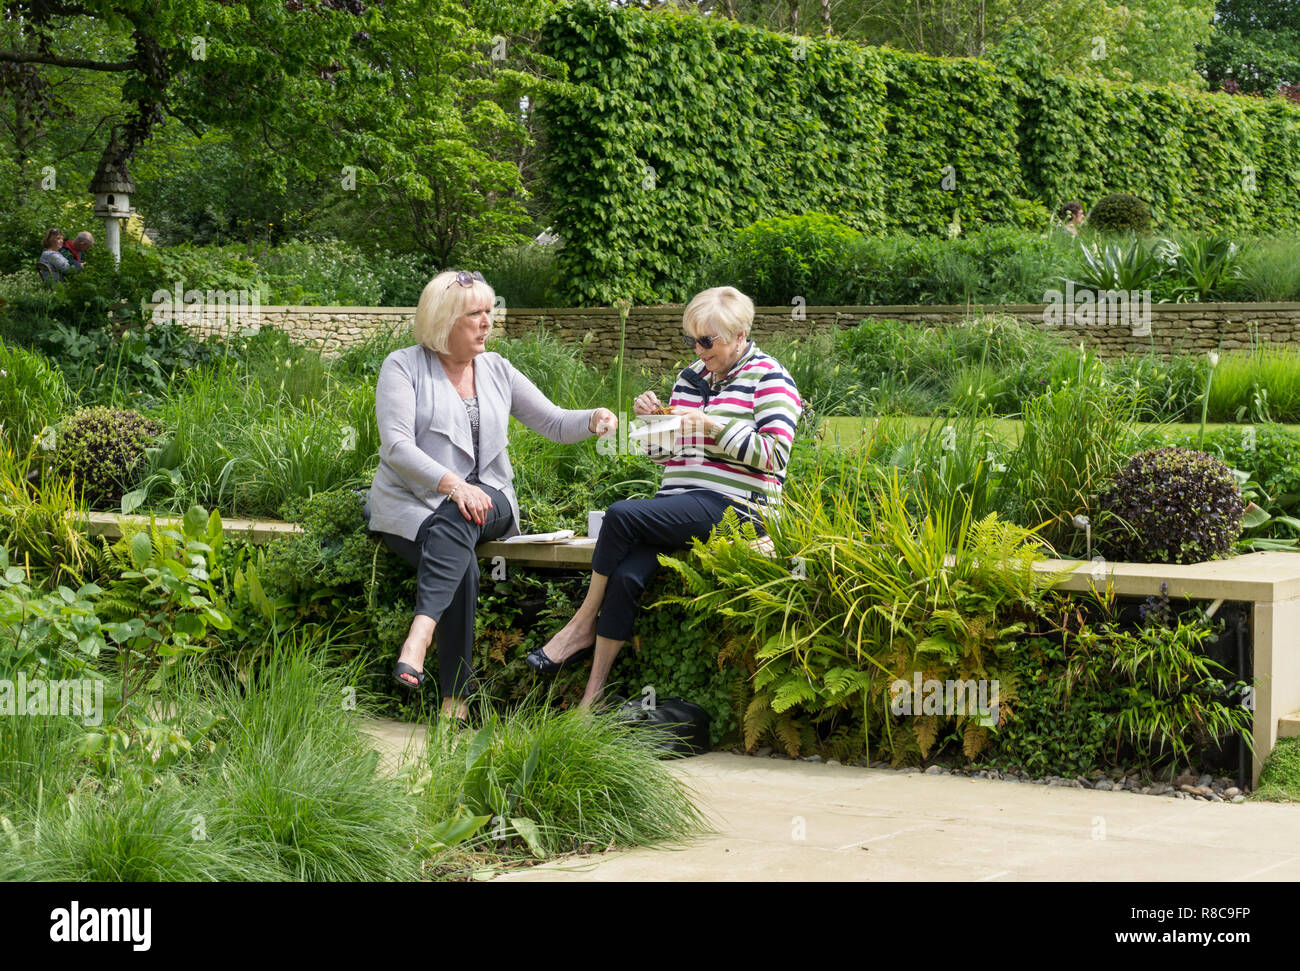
(678, 129)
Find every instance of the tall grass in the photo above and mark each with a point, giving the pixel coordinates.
(33, 394)
(1074, 439)
(39, 520)
(1260, 385)
(526, 276)
(1270, 271)
(300, 788)
(580, 777)
(827, 384)
(243, 438)
(126, 833)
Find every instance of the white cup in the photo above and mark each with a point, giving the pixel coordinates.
(594, 519)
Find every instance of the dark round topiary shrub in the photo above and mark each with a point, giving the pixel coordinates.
(103, 450)
(1121, 213)
(1176, 506)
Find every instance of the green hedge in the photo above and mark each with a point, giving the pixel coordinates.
(681, 129)
(677, 130)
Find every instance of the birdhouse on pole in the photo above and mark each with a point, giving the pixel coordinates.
(112, 187)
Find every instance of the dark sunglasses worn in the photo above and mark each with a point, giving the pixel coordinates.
(467, 279)
(704, 342)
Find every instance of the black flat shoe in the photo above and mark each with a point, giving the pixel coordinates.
(539, 662)
(404, 668)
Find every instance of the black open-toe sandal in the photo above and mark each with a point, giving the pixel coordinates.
(404, 668)
(539, 662)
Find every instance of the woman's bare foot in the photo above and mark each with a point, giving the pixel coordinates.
(578, 634)
(416, 646)
(455, 708)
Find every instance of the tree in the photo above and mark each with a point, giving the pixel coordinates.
(1255, 48)
(382, 108)
(1157, 41)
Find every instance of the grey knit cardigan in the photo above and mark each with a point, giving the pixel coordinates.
(424, 433)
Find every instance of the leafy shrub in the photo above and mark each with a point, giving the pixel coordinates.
(822, 628)
(1173, 505)
(1120, 212)
(811, 256)
(103, 450)
(334, 574)
(1040, 732)
(1163, 696)
(1270, 453)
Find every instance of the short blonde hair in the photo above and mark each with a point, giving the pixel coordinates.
(441, 302)
(724, 309)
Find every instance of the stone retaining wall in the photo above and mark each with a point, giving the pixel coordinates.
(653, 332)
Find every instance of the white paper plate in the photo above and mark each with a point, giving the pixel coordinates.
(644, 426)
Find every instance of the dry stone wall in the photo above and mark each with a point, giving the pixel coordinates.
(652, 336)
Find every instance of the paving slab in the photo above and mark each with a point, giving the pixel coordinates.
(775, 819)
(784, 820)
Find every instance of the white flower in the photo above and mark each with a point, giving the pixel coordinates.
(1214, 359)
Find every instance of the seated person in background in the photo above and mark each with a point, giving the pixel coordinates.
(58, 263)
(75, 249)
(1072, 217)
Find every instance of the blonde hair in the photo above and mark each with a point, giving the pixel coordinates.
(441, 302)
(724, 309)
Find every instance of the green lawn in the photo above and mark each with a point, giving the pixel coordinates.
(849, 430)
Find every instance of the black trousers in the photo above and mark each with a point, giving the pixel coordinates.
(633, 534)
(446, 578)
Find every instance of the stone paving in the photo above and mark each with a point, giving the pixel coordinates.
(786, 820)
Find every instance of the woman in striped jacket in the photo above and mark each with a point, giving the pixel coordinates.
(738, 409)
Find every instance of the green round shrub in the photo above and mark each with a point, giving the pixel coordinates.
(1121, 213)
(1171, 505)
(102, 449)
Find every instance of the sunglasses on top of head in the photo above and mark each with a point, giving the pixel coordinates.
(467, 279)
(704, 342)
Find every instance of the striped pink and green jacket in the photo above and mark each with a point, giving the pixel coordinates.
(759, 407)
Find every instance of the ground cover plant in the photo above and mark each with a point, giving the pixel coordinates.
(1279, 780)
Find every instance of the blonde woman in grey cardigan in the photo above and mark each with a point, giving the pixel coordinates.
(444, 480)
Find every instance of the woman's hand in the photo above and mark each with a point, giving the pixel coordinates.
(645, 403)
(473, 502)
(602, 422)
(695, 422)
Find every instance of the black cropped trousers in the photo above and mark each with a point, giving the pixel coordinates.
(446, 578)
(633, 534)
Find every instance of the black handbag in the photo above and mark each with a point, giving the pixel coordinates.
(682, 726)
